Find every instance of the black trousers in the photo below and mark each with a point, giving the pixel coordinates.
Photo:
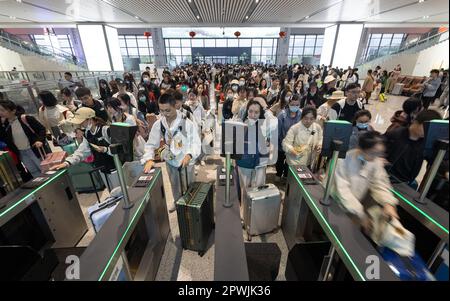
(281, 166)
(427, 101)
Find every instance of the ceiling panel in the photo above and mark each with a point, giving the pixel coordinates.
(223, 11)
(288, 11)
(218, 12)
(158, 11)
(414, 12)
(355, 10)
(7, 19)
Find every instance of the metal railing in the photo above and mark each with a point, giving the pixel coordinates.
(419, 44)
(15, 43)
(25, 92)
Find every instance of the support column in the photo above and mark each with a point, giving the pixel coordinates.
(101, 47)
(283, 48)
(159, 47)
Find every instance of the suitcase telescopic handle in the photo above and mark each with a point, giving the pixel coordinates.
(263, 187)
(180, 169)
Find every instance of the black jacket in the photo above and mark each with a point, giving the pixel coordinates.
(39, 135)
(99, 109)
(404, 155)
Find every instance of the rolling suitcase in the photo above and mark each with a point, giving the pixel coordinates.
(99, 213)
(195, 211)
(9, 176)
(261, 210)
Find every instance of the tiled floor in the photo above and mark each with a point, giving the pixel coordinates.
(177, 264)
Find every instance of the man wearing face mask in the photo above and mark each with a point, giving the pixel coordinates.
(286, 119)
(362, 172)
(361, 124)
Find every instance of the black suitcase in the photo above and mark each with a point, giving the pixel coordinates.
(195, 211)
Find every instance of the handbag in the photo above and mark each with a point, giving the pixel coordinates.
(389, 232)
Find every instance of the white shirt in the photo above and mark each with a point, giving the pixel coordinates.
(180, 145)
(53, 116)
(306, 138)
(355, 178)
(19, 137)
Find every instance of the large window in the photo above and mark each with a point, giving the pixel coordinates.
(304, 46)
(383, 44)
(179, 50)
(63, 43)
(134, 46)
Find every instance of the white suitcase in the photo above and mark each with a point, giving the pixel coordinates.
(261, 210)
(398, 89)
(99, 213)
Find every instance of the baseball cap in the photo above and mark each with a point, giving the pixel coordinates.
(81, 115)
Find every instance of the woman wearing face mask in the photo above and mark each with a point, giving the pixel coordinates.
(97, 139)
(145, 105)
(303, 141)
(283, 100)
(130, 109)
(312, 98)
(362, 172)
(105, 91)
(117, 114)
(153, 90)
(228, 104)
(286, 119)
(361, 124)
(198, 112)
(324, 110)
(262, 128)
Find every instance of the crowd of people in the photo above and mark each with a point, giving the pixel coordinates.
(176, 117)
